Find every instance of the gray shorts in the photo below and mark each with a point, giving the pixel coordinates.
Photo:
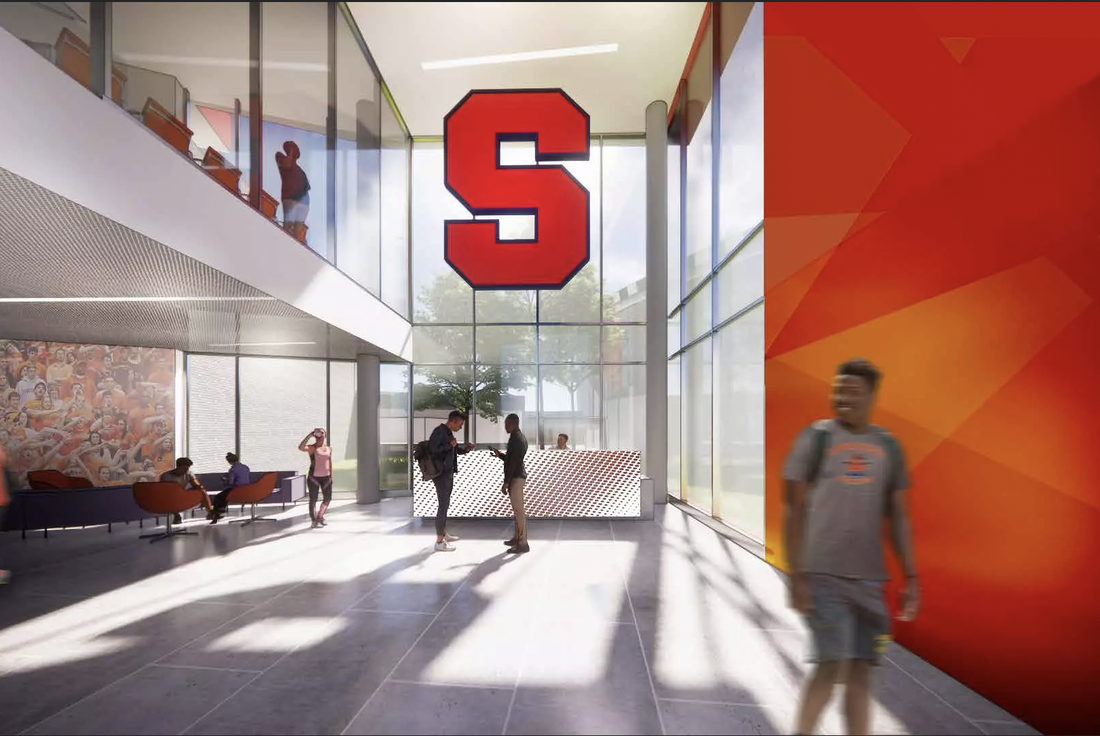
(849, 620)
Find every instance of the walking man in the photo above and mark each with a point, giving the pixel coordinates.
(515, 478)
(445, 450)
(843, 477)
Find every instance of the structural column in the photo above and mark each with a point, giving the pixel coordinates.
(656, 339)
(369, 438)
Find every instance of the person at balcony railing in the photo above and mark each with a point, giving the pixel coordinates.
(295, 190)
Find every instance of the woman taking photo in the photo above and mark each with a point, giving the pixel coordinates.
(319, 479)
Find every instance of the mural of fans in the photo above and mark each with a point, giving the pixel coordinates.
(104, 413)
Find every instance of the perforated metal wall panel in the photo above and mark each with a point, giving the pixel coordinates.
(560, 484)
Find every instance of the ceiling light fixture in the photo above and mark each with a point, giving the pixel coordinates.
(110, 299)
(259, 344)
(607, 48)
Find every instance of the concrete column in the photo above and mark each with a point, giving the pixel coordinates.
(369, 438)
(656, 338)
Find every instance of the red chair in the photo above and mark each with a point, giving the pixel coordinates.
(254, 493)
(55, 480)
(166, 499)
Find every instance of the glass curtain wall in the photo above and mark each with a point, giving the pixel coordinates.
(261, 408)
(334, 157)
(567, 362)
(716, 272)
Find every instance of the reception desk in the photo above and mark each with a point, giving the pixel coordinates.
(561, 484)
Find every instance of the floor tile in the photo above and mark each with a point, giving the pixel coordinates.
(409, 708)
(706, 719)
(154, 700)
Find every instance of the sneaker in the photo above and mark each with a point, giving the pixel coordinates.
(519, 549)
(511, 542)
(444, 546)
(322, 521)
(315, 525)
(5, 577)
(176, 519)
(450, 538)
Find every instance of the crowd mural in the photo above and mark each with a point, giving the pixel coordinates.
(100, 412)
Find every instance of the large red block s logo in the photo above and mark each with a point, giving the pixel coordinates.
(472, 134)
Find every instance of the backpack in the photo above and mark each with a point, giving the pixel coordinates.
(422, 454)
(821, 444)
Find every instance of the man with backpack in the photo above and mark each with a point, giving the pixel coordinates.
(843, 477)
(443, 451)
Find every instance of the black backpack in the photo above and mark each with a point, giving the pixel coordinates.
(422, 454)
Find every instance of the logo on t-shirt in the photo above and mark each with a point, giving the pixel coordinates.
(857, 460)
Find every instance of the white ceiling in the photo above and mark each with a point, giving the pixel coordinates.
(654, 40)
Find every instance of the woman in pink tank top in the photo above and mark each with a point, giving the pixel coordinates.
(319, 478)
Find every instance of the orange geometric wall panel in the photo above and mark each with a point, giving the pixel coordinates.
(932, 203)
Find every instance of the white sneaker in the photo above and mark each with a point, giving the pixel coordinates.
(444, 546)
(450, 538)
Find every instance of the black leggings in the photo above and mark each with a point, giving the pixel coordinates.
(444, 484)
(322, 486)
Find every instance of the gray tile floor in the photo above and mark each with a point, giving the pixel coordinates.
(661, 627)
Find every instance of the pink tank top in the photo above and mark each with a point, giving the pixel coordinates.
(322, 462)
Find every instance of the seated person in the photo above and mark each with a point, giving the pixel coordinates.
(563, 442)
(238, 476)
(181, 474)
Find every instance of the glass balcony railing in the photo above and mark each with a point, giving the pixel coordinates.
(184, 72)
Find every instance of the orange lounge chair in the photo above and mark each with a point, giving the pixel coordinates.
(254, 493)
(214, 163)
(165, 125)
(166, 499)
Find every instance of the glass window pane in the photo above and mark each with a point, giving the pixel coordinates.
(211, 410)
(675, 244)
(506, 306)
(674, 438)
(439, 294)
(624, 407)
(569, 344)
(700, 166)
(343, 424)
(154, 48)
(504, 390)
(579, 301)
(696, 426)
(698, 313)
(359, 107)
(570, 404)
(741, 281)
(395, 213)
(741, 172)
(674, 341)
(443, 345)
(295, 79)
(281, 401)
(393, 426)
(437, 391)
(623, 344)
(739, 423)
(624, 230)
(505, 344)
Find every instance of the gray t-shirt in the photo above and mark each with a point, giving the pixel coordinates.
(846, 506)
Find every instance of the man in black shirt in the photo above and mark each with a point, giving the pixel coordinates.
(515, 478)
(445, 451)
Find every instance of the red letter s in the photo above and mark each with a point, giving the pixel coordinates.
(472, 134)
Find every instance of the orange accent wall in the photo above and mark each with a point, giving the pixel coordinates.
(932, 203)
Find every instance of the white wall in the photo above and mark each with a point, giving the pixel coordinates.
(63, 138)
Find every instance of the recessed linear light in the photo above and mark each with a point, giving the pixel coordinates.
(140, 299)
(258, 344)
(607, 48)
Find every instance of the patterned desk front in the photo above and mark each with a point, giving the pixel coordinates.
(560, 484)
